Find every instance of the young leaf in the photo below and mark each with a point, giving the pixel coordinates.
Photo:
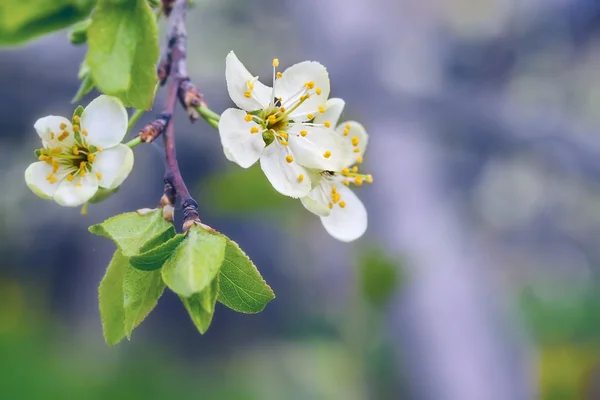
(241, 287)
(201, 306)
(195, 262)
(110, 295)
(130, 231)
(24, 20)
(123, 51)
(156, 257)
(141, 293)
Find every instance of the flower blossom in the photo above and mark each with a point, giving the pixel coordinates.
(284, 126)
(342, 213)
(79, 156)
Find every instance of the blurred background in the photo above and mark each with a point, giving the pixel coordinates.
(477, 279)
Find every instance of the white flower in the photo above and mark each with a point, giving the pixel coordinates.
(282, 126)
(342, 213)
(77, 158)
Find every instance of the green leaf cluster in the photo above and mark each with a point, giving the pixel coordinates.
(201, 267)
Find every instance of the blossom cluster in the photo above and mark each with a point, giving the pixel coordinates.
(292, 128)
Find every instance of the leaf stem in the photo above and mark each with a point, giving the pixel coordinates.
(134, 142)
(209, 115)
(134, 118)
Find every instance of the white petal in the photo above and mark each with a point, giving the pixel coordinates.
(35, 177)
(237, 77)
(348, 223)
(283, 175)
(105, 120)
(356, 130)
(114, 164)
(317, 201)
(333, 111)
(76, 192)
(293, 80)
(244, 147)
(51, 124)
(310, 150)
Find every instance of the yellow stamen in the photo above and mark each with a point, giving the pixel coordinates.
(289, 159)
(272, 119)
(78, 185)
(247, 94)
(248, 118)
(345, 171)
(310, 116)
(330, 206)
(346, 182)
(44, 158)
(354, 140)
(53, 180)
(76, 118)
(333, 189)
(348, 126)
(276, 62)
(54, 168)
(327, 124)
(82, 172)
(75, 150)
(62, 126)
(342, 204)
(82, 165)
(70, 178)
(369, 179)
(309, 84)
(250, 85)
(346, 131)
(56, 150)
(279, 75)
(91, 157)
(355, 169)
(300, 178)
(98, 175)
(63, 136)
(359, 159)
(253, 129)
(49, 176)
(318, 90)
(282, 109)
(284, 143)
(327, 154)
(99, 149)
(336, 197)
(356, 150)
(51, 135)
(358, 180)
(76, 128)
(303, 133)
(283, 135)
(321, 109)
(84, 132)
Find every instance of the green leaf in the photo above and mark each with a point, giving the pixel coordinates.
(86, 86)
(110, 295)
(378, 276)
(201, 306)
(142, 290)
(242, 288)
(123, 51)
(154, 259)
(78, 32)
(195, 262)
(158, 240)
(130, 231)
(24, 20)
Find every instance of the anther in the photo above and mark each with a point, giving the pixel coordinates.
(345, 171)
(247, 94)
(98, 148)
(84, 132)
(354, 140)
(358, 180)
(356, 150)
(91, 157)
(272, 119)
(49, 176)
(327, 124)
(310, 116)
(283, 134)
(369, 179)
(279, 75)
(321, 109)
(348, 126)
(333, 189)
(82, 172)
(310, 84)
(76, 128)
(342, 204)
(282, 109)
(75, 150)
(70, 177)
(53, 180)
(248, 118)
(51, 135)
(284, 143)
(359, 159)
(289, 159)
(355, 169)
(78, 185)
(303, 133)
(346, 182)
(99, 175)
(82, 165)
(56, 150)
(346, 131)
(330, 205)
(318, 91)
(327, 154)
(63, 136)
(76, 118)
(62, 126)
(253, 129)
(300, 178)
(276, 62)
(250, 85)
